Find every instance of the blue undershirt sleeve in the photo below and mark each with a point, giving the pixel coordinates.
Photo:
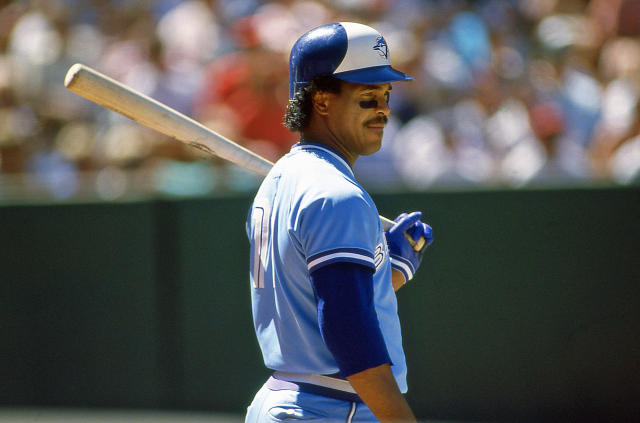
(347, 316)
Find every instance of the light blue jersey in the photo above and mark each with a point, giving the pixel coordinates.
(309, 212)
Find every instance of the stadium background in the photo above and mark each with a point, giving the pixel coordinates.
(123, 253)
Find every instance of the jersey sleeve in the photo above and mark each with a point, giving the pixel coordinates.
(338, 228)
(347, 317)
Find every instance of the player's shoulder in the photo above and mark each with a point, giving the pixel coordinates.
(323, 188)
(301, 158)
(313, 172)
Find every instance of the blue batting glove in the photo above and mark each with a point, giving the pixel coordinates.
(403, 257)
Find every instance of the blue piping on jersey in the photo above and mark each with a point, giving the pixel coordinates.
(359, 251)
(353, 255)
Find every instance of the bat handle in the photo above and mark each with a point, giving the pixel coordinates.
(386, 223)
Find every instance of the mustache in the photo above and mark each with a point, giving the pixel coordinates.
(378, 120)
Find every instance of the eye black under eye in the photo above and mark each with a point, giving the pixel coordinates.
(369, 104)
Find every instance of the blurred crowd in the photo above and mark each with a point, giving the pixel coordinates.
(506, 93)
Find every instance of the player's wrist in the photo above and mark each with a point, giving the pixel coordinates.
(403, 265)
(397, 279)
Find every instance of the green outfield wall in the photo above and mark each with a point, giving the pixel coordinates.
(526, 307)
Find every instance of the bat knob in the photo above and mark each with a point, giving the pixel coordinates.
(416, 245)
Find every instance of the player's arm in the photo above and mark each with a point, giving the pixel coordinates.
(397, 279)
(379, 390)
(350, 329)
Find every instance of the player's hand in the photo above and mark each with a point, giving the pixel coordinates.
(401, 239)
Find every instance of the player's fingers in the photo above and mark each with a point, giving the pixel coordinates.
(400, 217)
(407, 221)
(420, 230)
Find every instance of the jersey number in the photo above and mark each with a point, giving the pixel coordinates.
(260, 222)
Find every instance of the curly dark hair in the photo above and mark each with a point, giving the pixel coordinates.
(296, 118)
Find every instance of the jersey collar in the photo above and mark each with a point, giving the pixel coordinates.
(333, 153)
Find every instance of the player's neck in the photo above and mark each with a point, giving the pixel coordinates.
(320, 134)
(349, 157)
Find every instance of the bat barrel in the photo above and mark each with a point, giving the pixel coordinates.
(115, 96)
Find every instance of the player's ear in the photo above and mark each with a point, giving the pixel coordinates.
(321, 102)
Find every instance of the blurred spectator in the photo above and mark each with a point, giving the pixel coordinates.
(248, 91)
(507, 92)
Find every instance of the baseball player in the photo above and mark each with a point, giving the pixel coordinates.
(323, 272)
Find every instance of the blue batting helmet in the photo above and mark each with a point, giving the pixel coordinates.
(349, 51)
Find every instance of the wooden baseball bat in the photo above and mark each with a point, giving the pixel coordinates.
(107, 92)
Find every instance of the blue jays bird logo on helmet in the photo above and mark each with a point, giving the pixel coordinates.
(381, 46)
